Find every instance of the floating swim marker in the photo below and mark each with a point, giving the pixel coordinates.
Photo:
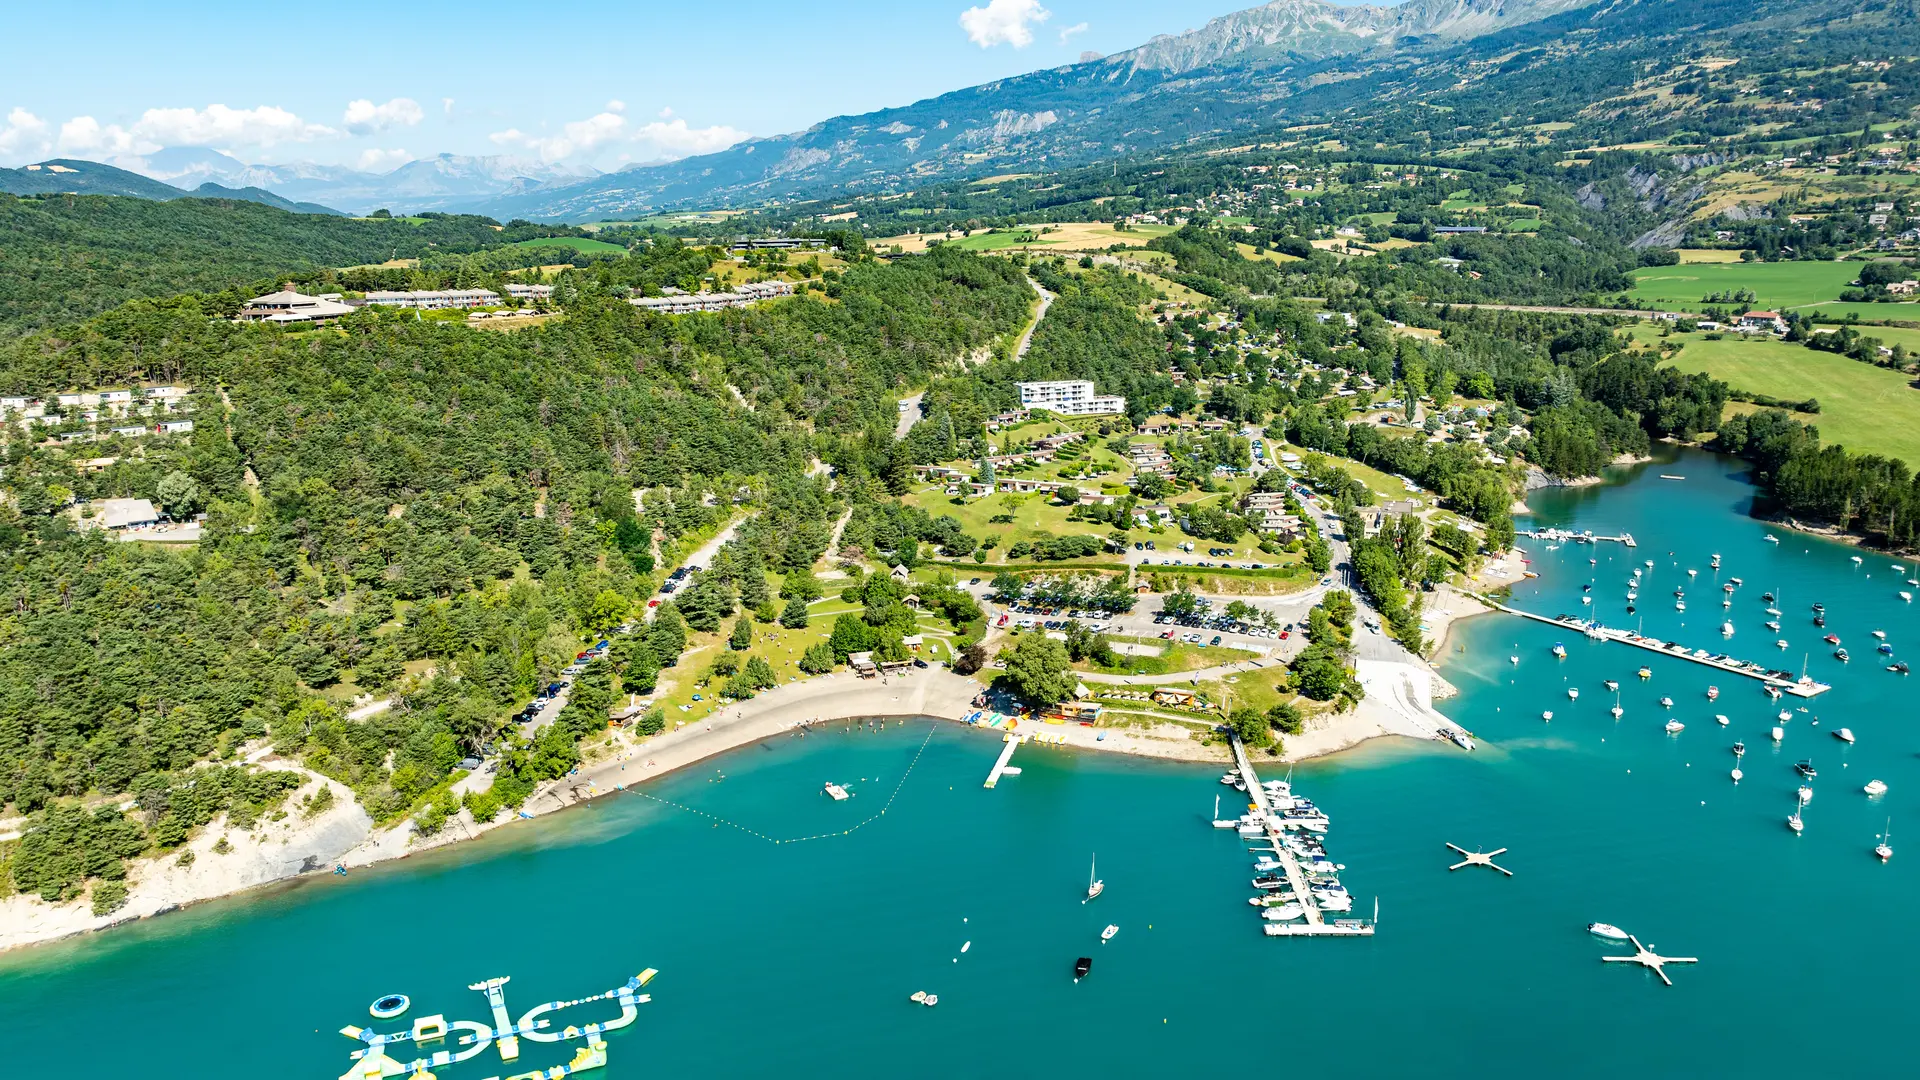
(1475, 858)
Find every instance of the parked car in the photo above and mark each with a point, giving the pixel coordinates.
(1215, 641)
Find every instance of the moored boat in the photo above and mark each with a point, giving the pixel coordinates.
(1606, 930)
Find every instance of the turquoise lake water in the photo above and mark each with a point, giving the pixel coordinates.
(800, 956)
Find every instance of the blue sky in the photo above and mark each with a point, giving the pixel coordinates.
(594, 83)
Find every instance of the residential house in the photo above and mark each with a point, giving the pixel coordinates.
(174, 427)
(1767, 322)
(123, 513)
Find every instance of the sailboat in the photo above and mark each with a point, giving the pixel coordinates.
(1794, 822)
(1095, 886)
(1883, 848)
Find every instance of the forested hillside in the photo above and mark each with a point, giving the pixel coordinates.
(430, 500)
(67, 257)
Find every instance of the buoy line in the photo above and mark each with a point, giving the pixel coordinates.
(718, 820)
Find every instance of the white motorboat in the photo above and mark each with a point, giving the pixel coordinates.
(1283, 913)
(1617, 711)
(1845, 735)
(1559, 650)
(1613, 685)
(1335, 903)
(1632, 594)
(1881, 634)
(1778, 733)
(1548, 715)
(1573, 693)
(1460, 738)
(1679, 605)
(1772, 539)
(1781, 643)
(1726, 629)
(1513, 659)
(1737, 774)
(1666, 703)
(1107, 934)
(1094, 885)
(1721, 717)
(1876, 787)
(1856, 560)
(1907, 596)
(1805, 794)
(1675, 727)
(1693, 573)
(1785, 716)
(1606, 930)
(1773, 626)
(1230, 779)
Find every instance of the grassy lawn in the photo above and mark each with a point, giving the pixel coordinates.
(1774, 285)
(1178, 656)
(1865, 408)
(577, 243)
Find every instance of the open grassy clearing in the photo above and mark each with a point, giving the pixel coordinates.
(1867, 409)
(1692, 256)
(1867, 313)
(1774, 285)
(577, 243)
(1048, 236)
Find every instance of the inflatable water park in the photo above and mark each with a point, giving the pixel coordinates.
(471, 1038)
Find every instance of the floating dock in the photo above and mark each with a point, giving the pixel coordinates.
(1315, 924)
(1567, 536)
(1783, 681)
(1006, 755)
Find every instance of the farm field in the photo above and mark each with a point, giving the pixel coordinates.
(1065, 236)
(1774, 285)
(1693, 256)
(1868, 313)
(577, 243)
(1867, 409)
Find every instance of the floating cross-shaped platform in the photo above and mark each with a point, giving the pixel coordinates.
(1647, 958)
(1475, 858)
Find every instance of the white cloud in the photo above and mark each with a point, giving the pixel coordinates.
(1003, 22)
(676, 139)
(576, 137)
(372, 160)
(667, 138)
(1076, 28)
(363, 117)
(616, 106)
(85, 135)
(666, 111)
(446, 105)
(216, 126)
(25, 135)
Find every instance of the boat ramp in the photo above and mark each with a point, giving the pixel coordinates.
(1783, 681)
(1568, 536)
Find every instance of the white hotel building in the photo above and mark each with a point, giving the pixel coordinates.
(1068, 397)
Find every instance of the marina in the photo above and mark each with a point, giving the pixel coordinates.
(1307, 893)
(1784, 681)
(1568, 536)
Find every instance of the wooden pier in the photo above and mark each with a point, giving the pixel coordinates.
(1006, 755)
(1779, 680)
(1315, 924)
(1568, 536)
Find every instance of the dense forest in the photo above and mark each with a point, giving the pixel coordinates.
(406, 497)
(71, 256)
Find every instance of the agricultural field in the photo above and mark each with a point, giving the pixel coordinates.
(1775, 285)
(1051, 236)
(1867, 409)
(1692, 256)
(577, 243)
(1905, 312)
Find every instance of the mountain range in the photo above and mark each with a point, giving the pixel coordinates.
(1253, 72)
(93, 178)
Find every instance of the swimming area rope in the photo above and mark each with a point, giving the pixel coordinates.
(718, 820)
